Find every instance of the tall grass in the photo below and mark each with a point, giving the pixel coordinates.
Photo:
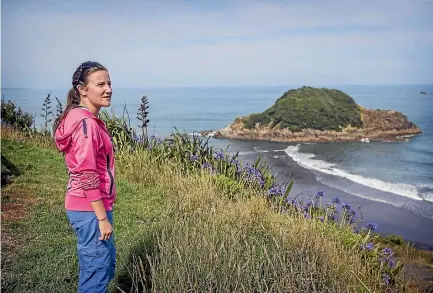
(210, 242)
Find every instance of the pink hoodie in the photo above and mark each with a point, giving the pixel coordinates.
(89, 156)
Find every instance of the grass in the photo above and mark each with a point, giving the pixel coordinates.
(174, 233)
(42, 257)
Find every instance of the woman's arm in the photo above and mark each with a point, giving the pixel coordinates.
(87, 145)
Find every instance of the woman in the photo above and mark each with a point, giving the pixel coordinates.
(91, 191)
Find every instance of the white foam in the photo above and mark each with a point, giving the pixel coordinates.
(427, 191)
(359, 194)
(210, 134)
(243, 153)
(307, 160)
(260, 151)
(406, 136)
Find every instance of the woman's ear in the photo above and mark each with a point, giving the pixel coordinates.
(82, 90)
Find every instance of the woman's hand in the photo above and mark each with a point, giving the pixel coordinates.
(104, 224)
(106, 229)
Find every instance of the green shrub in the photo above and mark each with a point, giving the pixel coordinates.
(395, 239)
(307, 107)
(263, 119)
(294, 128)
(15, 117)
(119, 128)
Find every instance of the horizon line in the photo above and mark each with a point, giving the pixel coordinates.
(237, 86)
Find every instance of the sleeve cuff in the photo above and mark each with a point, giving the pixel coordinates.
(93, 194)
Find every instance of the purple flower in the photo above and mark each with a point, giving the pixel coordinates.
(273, 191)
(206, 165)
(346, 206)
(254, 175)
(307, 216)
(321, 218)
(218, 155)
(336, 200)
(372, 226)
(391, 262)
(387, 251)
(234, 161)
(193, 158)
(291, 201)
(320, 194)
(369, 246)
(250, 170)
(261, 181)
(386, 279)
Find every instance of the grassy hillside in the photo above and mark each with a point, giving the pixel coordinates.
(307, 107)
(179, 230)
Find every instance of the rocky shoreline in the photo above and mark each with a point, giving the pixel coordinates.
(378, 125)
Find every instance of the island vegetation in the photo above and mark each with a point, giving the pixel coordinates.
(307, 107)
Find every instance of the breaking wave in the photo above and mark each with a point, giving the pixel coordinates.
(416, 192)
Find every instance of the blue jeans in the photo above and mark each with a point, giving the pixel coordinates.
(96, 258)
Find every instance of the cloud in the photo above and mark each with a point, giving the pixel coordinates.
(181, 43)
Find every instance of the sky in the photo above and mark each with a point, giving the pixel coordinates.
(218, 43)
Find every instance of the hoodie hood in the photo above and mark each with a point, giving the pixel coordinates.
(73, 121)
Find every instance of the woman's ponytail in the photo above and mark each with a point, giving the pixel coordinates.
(72, 101)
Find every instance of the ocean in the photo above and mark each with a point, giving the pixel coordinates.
(391, 183)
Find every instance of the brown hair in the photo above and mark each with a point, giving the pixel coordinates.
(78, 78)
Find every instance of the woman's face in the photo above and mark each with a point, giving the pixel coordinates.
(98, 90)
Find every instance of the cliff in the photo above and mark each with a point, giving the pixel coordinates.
(311, 114)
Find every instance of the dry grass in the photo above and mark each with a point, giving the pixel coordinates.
(36, 139)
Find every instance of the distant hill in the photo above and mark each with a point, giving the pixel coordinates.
(307, 107)
(319, 114)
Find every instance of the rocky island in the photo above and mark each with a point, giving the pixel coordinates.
(310, 114)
